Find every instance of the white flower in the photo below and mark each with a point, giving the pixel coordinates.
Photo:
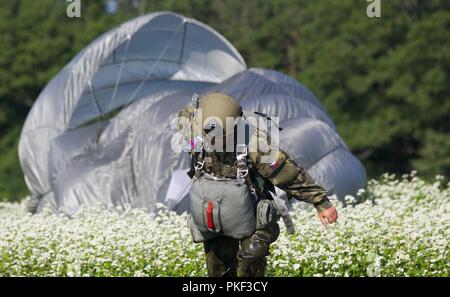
(404, 225)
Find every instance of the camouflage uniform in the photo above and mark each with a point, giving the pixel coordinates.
(247, 257)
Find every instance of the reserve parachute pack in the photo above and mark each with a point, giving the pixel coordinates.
(221, 206)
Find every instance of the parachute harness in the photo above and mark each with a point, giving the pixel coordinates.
(242, 165)
(241, 150)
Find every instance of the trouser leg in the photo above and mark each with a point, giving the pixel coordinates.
(254, 250)
(221, 256)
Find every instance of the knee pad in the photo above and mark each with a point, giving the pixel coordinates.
(254, 247)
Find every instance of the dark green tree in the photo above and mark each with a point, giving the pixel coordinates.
(36, 40)
(384, 81)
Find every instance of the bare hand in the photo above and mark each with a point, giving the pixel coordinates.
(328, 216)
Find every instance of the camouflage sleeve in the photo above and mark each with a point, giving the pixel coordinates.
(284, 173)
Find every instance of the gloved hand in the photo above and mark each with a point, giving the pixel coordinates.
(328, 216)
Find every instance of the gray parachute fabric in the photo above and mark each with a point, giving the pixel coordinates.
(99, 134)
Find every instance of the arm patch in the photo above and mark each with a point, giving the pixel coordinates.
(286, 174)
(268, 169)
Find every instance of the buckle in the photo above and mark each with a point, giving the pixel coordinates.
(241, 173)
(241, 151)
(199, 165)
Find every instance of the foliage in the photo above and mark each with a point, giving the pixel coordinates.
(36, 39)
(398, 227)
(384, 81)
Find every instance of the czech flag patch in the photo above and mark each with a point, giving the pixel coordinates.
(274, 165)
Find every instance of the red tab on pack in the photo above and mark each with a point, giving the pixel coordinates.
(209, 215)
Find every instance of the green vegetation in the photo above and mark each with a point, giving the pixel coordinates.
(397, 227)
(385, 81)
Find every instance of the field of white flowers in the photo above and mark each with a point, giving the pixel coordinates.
(397, 227)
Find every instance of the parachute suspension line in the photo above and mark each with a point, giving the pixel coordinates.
(150, 72)
(182, 43)
(119, 75)
(94, 99)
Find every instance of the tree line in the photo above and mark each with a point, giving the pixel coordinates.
(384, 81)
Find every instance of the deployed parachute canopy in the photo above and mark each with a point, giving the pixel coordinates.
(99, 133)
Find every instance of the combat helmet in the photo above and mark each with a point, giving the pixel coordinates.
(216, 108)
